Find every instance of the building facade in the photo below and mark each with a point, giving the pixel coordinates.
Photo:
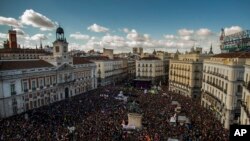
(131, 70)
(138, 50)
(185, 74)
(222, 85)
(12, 51)
(245, 103)
(18, 53)
(109, 71)
(29, 84)
(150, 68)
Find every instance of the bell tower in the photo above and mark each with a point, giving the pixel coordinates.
(60, 49)
(60, 45)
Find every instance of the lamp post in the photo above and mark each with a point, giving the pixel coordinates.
(72, 133)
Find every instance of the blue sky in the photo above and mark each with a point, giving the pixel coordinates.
(122, 24)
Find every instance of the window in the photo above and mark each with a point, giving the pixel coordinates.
(54, 79)
(12, 89)
(33, 84)
(25, 85)
(47, 80)
(41, 83)
(57, 49)
(60, 77)
(239, 89)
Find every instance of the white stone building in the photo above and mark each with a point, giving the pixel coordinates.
(185, 73)
(245, 103)
(29, 84)
(222, 85)
(150, 68)
(108, 71)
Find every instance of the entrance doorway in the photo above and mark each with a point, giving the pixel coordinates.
(66, 93)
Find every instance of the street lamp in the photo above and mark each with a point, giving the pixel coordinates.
(72, 133)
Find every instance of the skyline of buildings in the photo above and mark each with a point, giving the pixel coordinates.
(204, 64)
(153, 25)
(216, 79)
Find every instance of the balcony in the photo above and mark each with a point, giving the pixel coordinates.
(13, 93)
(211, 95)
(67, 82)
(196, 78)
(25, 90)
(218, 87)
(41, 87)
(196, 70)
(226, 77)
(244, 105)
(225, 91)
(247, 85)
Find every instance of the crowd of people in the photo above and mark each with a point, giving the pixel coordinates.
(97, 116)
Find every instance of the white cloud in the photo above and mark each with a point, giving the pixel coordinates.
(133, 35)
(168, 36)
(19, 31)
(113, 41)
(232, 30)
(35, 19)
(9, 21)
(185, 32)
(79, 36)
(126, 30)
(97, 28)
(50, 34)
(76, 46)
(38, 37)
(187, 38)
(3, 35)
(204, 32)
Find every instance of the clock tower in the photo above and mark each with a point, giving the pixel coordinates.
(60, 45)
(60, 48)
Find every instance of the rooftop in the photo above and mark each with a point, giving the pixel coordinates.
(97, 58)
(20, 50)
(150, 58)
(233, 55)
(80, 60)
(24, 64)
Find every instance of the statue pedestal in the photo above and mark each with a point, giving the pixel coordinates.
(134, 119)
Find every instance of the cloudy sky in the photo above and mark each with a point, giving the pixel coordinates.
(122, 24)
